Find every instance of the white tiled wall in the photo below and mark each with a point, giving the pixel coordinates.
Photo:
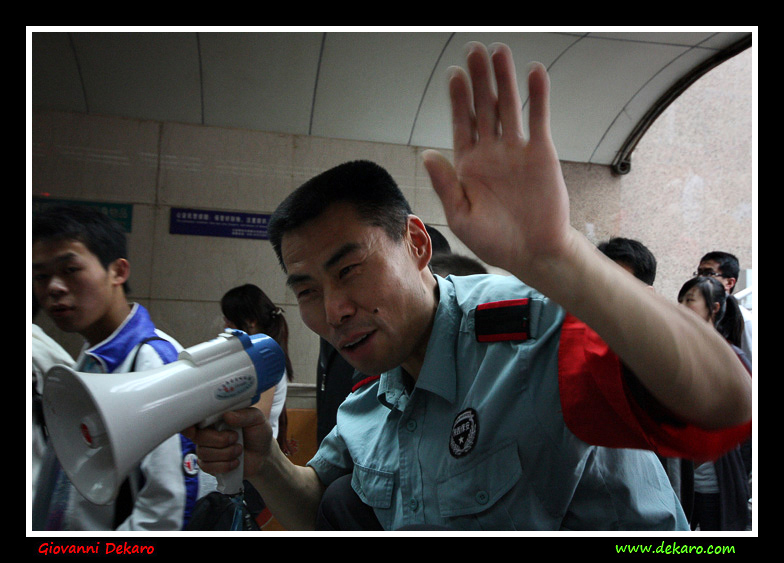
(156, 166)
(181, 278)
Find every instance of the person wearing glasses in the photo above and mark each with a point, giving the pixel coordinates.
(724, 267)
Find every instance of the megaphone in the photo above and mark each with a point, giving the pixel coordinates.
(102, 425)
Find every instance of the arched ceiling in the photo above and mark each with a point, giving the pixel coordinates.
(383, 86)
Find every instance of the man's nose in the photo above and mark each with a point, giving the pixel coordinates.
(338, 306)
(56, 286)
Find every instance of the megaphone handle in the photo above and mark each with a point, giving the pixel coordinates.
(230, 483)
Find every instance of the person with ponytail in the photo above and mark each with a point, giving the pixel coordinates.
(715, 494)
(249, 309)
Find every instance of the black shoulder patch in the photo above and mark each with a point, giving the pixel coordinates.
(502, 321)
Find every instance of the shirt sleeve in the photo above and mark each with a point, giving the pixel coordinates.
(332, 459)
(603, 406)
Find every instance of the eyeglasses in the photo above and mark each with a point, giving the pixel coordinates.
(709, 273)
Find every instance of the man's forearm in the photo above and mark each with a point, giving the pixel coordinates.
(291, 492)
(683, 361)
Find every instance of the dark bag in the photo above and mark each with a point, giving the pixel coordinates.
(242, 512)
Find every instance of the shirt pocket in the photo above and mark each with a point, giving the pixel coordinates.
(480, 485)
(374, 486)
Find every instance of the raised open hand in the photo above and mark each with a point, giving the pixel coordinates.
(505, 196)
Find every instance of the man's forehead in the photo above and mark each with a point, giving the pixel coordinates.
(339, 225)
(47, 252)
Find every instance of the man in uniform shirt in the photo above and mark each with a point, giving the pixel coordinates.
(493, 401)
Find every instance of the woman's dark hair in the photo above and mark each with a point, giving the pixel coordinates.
(728, 320)
(247, 303)
(364, 184)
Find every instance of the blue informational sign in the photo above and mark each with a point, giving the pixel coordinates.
(231, 224)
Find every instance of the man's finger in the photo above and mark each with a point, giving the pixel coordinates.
(463, 119)
(485, 100)
(539, 96)
(510, 110)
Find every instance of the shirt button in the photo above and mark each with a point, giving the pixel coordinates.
(482, 497)
(411, 425)
(413, 504)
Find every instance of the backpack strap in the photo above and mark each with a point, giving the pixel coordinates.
(142, 343)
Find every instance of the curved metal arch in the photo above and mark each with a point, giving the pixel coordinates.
(623, 160)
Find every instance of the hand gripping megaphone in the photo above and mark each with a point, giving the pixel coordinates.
(102, 425)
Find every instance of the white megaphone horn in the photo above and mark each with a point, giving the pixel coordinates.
(102, 425)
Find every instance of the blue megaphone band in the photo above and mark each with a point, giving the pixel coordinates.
(267, 359)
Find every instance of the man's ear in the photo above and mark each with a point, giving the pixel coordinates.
(419, 241)
(120, 270)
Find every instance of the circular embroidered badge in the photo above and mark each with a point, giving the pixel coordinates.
(190, 464)
(465, 429)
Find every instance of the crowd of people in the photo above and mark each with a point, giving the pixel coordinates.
(449, 398)
(716, 495)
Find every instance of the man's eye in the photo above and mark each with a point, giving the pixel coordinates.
(347, 270)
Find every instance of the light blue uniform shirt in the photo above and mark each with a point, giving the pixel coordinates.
(480, 443)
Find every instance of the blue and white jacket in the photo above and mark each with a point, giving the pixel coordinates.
(169, 481)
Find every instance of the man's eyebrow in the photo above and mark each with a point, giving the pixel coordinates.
(347, 248)
(341, 253)
(57, 260)
(294, 279)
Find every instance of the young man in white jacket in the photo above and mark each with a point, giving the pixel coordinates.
(80, 274)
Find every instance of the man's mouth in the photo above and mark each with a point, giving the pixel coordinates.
(355, 342)
(59, 310)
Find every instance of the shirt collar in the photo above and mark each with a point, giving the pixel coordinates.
(112, 351)
(438, 374)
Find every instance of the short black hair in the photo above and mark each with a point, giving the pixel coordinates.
(631, 253)
(100, 234)
(364, 184)
(728, 263)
